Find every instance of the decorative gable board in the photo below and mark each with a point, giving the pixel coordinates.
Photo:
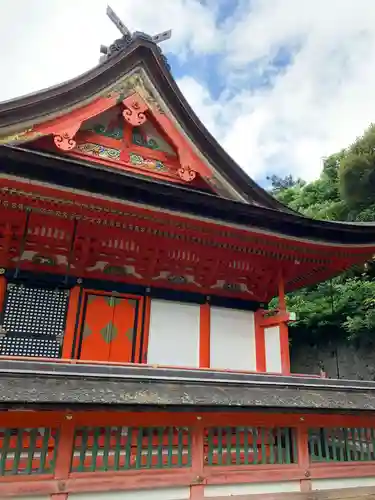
(137, 97)
(108, 138)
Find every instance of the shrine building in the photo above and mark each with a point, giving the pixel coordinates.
(138, 355)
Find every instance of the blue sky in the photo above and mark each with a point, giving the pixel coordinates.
(280, 83)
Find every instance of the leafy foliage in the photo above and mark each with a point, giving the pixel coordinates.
(345, 191)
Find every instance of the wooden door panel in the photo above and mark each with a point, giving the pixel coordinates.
(124, 326)
(109, 328)
(96, 332)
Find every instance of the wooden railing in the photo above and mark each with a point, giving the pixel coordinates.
(52, 452)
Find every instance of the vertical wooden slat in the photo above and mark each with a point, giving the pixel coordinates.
(210, 446)
(33, 434)
(138, 457)
(204, 336)
(4, 451)
(246, 445)
(238, 447)
(254, 433)
(160, 446)
(272, 446)
(180, 448)
(286, 433)
(44, 450)
(17, 451)
(118, 436)
(170, 446)
(228, 432)
(149, 448)
(219, 450)
(263, 445)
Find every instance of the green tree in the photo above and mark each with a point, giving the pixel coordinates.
(345, 191)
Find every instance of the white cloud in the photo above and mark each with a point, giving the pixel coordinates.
(45, 43)
(318, 104)
(323, 100)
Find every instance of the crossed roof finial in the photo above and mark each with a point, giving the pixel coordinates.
(127, 36)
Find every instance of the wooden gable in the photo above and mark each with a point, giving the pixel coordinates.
(118, 136)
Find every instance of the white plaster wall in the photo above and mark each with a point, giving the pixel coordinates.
(273, 351)
(228, 490)
(174, 334)
(232, 342)
(155, 494)
(339, 483)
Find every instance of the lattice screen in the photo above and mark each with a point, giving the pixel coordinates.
(34, 321)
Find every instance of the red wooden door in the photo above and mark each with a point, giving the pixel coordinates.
(109, 328)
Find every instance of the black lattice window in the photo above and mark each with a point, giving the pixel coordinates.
(33, 321)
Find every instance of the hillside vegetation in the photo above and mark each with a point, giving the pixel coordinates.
(343, 307)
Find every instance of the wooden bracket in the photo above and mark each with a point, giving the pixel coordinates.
(64, 139)
(135, 108)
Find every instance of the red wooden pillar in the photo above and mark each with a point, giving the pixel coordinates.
(64, 454)
(71, 322)
(3, 291)
(283, 326)
(197, 462)
(260, 342)
(204, 336)
(303, 456)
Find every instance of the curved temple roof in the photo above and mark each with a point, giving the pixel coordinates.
(19, 115)
(141, 66)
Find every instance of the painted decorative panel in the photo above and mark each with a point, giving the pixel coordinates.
(273, 349)
(92, 149)
(174, 334)
(147, 163)
(232, 344)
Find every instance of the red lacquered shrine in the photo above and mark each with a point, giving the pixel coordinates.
(138, 358)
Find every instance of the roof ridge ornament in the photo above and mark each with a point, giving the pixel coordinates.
(128, 37)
